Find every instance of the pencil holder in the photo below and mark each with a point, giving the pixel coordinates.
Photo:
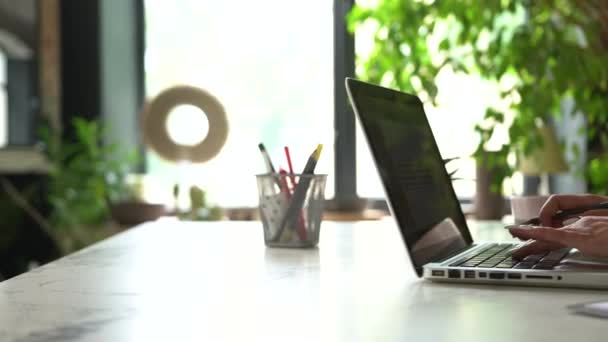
(291, 208)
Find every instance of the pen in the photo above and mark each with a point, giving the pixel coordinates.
(301, 225)
(562, 214)
(301, 222)
(299, 193)
(269, 167)
(285, 190)
(267, 161)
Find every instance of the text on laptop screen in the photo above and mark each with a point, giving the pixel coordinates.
(413, 173)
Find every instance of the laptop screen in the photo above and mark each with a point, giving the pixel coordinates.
(415, 180)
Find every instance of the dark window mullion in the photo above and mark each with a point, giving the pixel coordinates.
(344, 122)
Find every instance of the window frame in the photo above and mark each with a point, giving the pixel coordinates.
(346, 197)
(345, 147)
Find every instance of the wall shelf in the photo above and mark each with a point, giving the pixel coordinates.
(23, 160)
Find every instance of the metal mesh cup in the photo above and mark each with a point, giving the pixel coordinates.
(291, 208)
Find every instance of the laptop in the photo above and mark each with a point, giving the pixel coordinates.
(422, 201)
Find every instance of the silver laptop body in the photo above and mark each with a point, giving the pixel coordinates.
(421, 199)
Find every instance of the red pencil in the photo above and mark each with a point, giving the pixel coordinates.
(301, 221)
(283, 181)
(290, 165)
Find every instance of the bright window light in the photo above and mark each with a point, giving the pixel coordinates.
(269, 62)
(187, 125)
(461, 103)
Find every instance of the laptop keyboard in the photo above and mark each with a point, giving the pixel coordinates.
(499, 256)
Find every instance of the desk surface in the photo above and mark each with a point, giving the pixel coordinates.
(170, 281)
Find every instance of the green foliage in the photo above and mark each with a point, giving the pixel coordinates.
(598, 174)
(540, 53)
(86, 175)
(496, 163)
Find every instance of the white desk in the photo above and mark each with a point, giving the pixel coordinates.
(170, 281)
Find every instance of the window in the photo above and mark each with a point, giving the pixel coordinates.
(461, 102)
(270, 63)
(3, 103)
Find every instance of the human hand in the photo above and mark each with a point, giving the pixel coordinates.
(556, 203)
(589, 235)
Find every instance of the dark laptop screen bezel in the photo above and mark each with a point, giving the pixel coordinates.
(356, 91)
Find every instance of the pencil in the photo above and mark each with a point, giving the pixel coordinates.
(301, 229)
(290, 165)
(299, 193)
(309, 168)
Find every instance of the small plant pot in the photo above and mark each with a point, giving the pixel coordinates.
(133, 213)
(489, 205)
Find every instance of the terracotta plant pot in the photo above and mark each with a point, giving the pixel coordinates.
(132, 213)
(489, 205)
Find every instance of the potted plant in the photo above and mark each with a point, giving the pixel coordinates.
(491, 169)
(130, 208)
(86, 176)
(541, 53)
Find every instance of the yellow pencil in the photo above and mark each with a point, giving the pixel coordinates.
(299, 194)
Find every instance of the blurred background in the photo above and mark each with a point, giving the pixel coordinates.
(515, 91)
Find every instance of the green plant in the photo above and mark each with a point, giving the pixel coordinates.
(541, 53)
(86, 175)
(199, 210)
(598, 174)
